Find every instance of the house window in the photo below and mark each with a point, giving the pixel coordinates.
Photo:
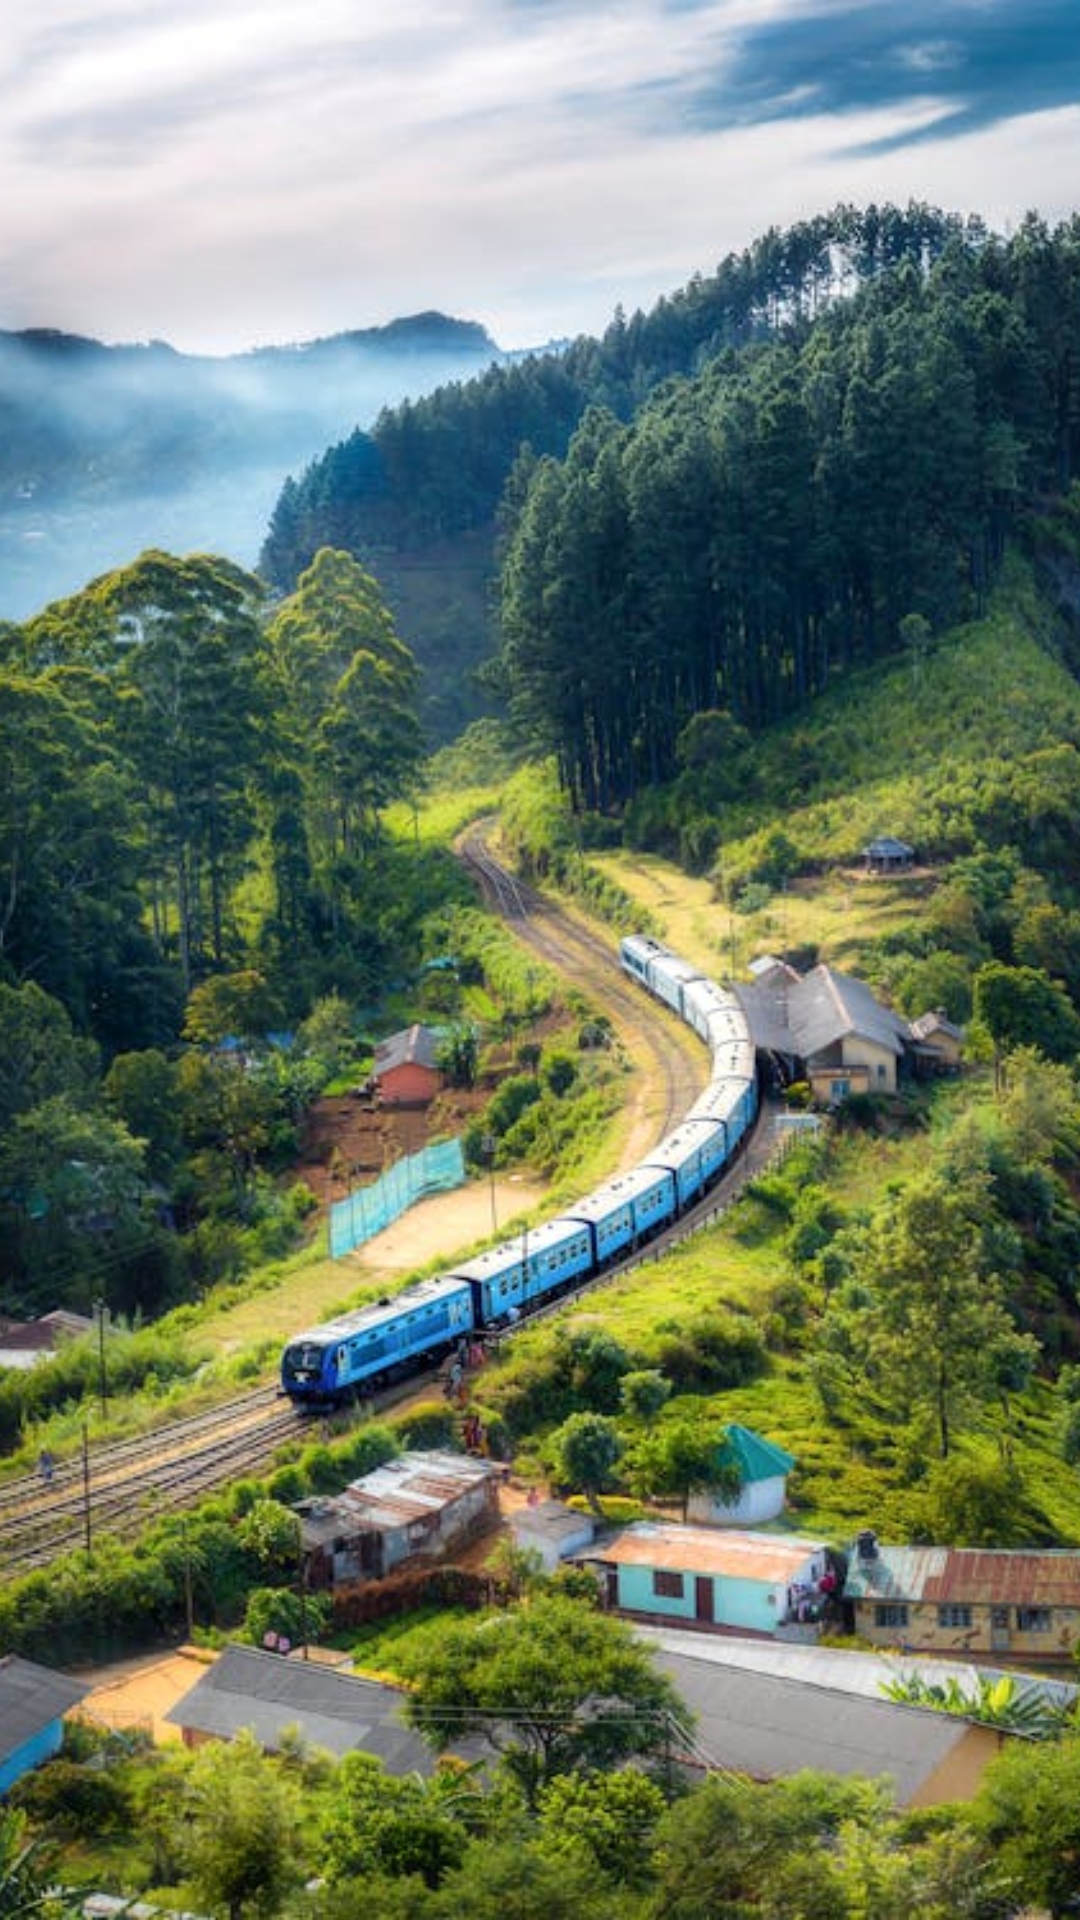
(1033, 1619)
(954, 1616)
(667, 1586)
(839, 1089)
(890, 1614)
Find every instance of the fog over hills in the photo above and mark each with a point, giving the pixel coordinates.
(107, 450)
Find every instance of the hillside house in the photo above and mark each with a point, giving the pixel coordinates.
(1016, 1603)
(763, 1469)
(24, 1342)
(33, 1702)
(828, 1029)
(422, 1503)
(406, 1070)
(886, 854)
(710, 1577)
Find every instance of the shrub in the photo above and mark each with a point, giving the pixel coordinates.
(431, 1423)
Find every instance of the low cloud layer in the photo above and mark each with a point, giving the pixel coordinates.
(281, 172)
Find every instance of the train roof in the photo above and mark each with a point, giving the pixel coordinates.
(678, 1147)
(720, 1096)
(423, 1293)
(615, 1193)
(514, 1252)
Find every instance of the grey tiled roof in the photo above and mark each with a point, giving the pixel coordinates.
(246, 1688)
(31, 1698)
(757, 1724)
(804, 1017)
(417, 1045)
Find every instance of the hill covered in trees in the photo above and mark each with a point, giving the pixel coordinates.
(421, 496)
(110, 449)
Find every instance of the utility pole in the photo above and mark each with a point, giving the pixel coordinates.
(101, 1314)
(86, 1488)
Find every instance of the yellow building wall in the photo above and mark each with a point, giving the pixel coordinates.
(923, 1632)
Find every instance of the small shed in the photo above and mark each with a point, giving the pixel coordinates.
(24, 1342)
(763, 1469)
(888, 855)
(405, 1068)
(552, 1530)
(714, 1577)
(937, 1044)
(422, 1503)
(33, 1702)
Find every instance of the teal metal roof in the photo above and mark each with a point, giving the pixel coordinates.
(756, 1459)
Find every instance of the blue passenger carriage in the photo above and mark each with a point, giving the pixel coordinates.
(364, 1349)
(521, 1273)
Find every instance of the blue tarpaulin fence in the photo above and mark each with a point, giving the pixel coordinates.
(369, 1209)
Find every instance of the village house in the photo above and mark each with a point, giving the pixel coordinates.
(1022, 1604)
(828, 1029)
(24, 1342)
(767, 1711)
(421, 1503)
(712, 1577)
(886, 854)
(551, 1530)
(763, 1469)
(33, 1702)
(406, 1070)
(277, 1698)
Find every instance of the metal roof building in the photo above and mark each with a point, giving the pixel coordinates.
(268, 1695)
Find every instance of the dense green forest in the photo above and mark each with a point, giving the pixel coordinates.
(435, 479)
(190, 847)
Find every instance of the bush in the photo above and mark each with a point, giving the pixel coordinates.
(431, 1423)
(75, 1800)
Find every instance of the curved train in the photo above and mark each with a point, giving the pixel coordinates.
(363, 1350)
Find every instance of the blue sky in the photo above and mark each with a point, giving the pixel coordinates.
(232, 172)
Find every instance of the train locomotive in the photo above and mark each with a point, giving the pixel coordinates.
(358, 1352)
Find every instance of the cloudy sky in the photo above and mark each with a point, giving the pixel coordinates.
(227, 173)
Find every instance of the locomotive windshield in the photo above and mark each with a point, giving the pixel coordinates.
(303, 1360)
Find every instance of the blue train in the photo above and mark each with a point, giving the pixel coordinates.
(361, 1351)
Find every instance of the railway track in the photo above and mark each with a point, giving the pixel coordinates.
(678, 1061)
(113, 1487)
(107, 1488)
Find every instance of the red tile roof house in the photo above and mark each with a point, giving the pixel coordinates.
(1016, 1604)
(406, 1069)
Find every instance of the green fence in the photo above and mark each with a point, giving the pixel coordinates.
(368, 1210)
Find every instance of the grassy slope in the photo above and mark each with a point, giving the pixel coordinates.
(875, 756)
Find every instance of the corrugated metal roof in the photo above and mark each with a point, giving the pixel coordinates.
(772, 1558)
(846, 1670)
(756, 1724)
(246, 1688)
(31, 1698)
(894, 1573)
(394, 1495)
(967, 1575)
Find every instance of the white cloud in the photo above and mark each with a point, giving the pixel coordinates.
(277, 172)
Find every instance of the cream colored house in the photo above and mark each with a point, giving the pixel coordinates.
(1020, 1604)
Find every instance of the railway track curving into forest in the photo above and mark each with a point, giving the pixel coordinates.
(113, 1487)
(676, 1062)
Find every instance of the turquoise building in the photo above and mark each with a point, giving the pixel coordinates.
(712, 1577)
